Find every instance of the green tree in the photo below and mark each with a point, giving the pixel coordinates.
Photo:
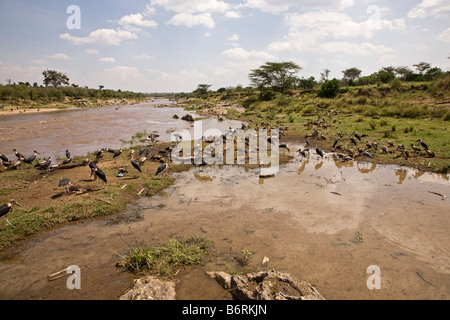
(351, 74)
(324, 75)
(202, 89)
(386, 74)
(422, 67)
(276, 76)
(403, 72)
(55, 78)
(330, 88)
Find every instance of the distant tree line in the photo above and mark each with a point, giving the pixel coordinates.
(56, 88)
(279, 77)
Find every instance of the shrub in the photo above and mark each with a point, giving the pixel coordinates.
(330, 89)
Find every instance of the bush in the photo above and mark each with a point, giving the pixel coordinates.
(268, 95)
(330, 89)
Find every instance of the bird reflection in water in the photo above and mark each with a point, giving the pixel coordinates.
(318, 165)
(365, 169)
(401, 174)
(303, 166)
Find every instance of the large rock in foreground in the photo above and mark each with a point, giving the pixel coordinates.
(150, 288)
(266, 285)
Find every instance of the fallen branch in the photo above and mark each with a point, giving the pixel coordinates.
(58, 275)
(439, 194)
(141, 191)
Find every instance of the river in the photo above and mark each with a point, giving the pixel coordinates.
(324, 221)
(82, 131)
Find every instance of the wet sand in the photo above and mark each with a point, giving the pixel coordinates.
(305, 219)
(16, 112)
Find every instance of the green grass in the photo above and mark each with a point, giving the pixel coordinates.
(166, 260)
(400, 112)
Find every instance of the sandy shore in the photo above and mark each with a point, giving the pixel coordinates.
(26, 111)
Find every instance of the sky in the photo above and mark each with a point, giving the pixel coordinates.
(175, 45)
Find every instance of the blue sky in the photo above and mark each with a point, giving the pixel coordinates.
(174, 45)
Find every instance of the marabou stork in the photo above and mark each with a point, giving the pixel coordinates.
(357, 136)
(6, 208)
(162, 168)
(66, 183)
(99, 173)
(46, 164)
(319, 152)
(136, 165)
(30, 159)
(423, 144)
(18, 155)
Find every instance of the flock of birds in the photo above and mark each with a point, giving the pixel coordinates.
(343, 152)
(96, 172)
(354, 148)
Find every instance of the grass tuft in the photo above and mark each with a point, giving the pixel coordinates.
(166, 260)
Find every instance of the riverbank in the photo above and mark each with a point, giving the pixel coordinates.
(382, 116)
(45, 205)
(22, 106)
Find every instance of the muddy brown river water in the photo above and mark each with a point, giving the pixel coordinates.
(87, 130)
(323, 221)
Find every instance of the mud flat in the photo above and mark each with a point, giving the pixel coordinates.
(323, 221)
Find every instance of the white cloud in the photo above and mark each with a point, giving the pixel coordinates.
(107, 59)
(192, 6)
(277, 6)
(242, 54)
(318, 31)
(445, 35)
(101, 36)
(91, 51)
(234, 37)
(353, 48)
(339, 25)
(149, 10)
(122, 73)
(233, 14)
(138, 20)
(191, 20)
(143, 56)
(59, 56)
(434, 8)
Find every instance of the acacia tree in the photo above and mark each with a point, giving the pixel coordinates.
(277, 76)
(422, 67)
(350, 75)
(324, 75)
(202, 89)
(55, 78)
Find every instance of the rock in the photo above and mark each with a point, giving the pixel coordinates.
(188, 117)
(265, 261)
(150, 288)
(266, 285)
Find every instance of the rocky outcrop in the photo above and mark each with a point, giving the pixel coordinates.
(150, 288)
(266, 285)
(188, 117)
